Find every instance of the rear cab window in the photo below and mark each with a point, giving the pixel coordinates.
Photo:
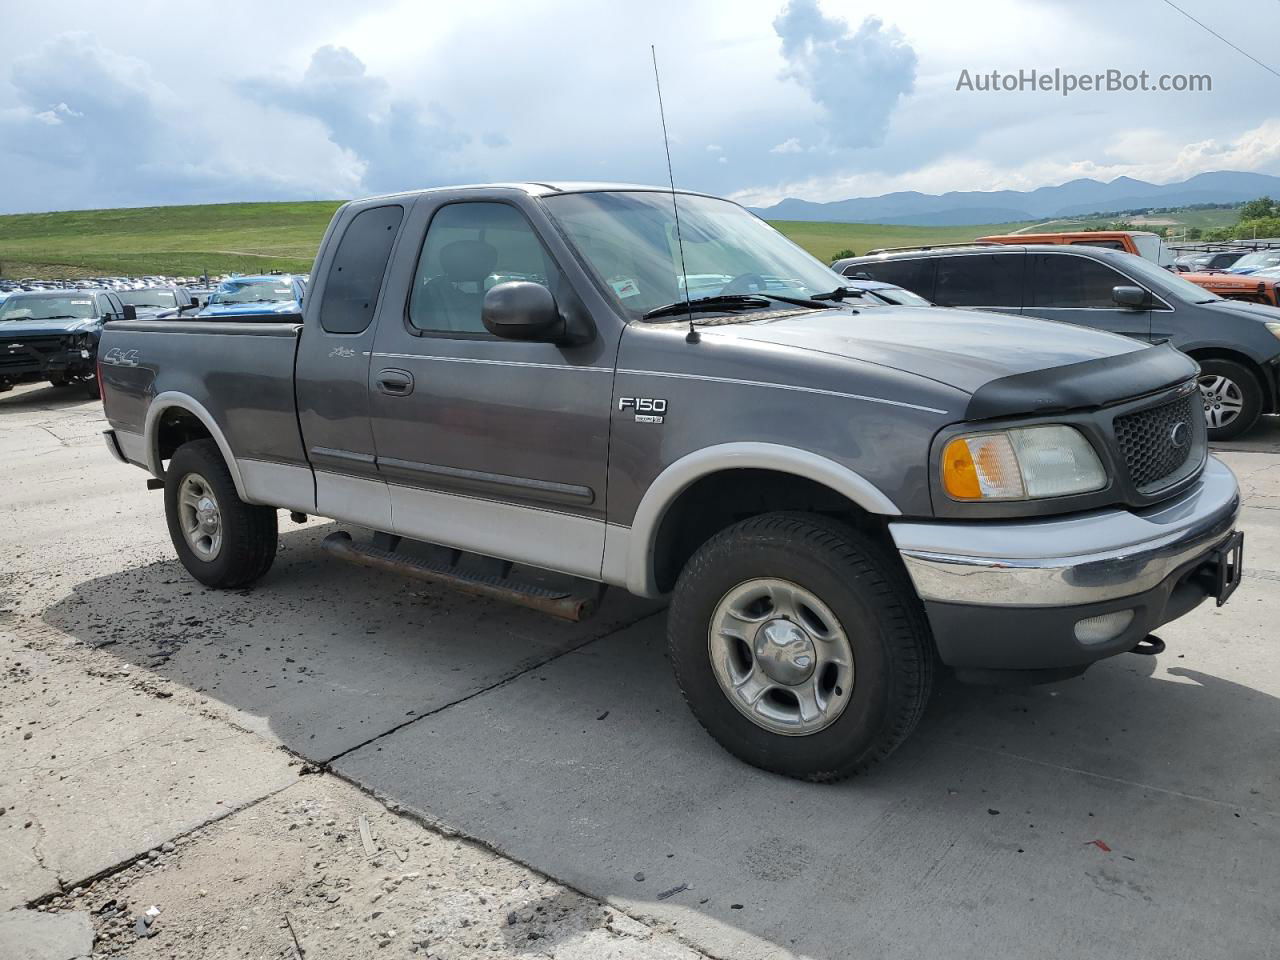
(355, 275)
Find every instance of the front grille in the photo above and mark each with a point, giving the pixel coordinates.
(24, 351)
(1147, 442)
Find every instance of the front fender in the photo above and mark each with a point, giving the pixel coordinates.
(637, 545)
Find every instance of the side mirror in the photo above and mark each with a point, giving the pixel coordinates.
(1136, 298)
(195, 302)
(520, 310)
(130, 312)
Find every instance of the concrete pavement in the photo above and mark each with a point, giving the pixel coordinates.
(1132, 811)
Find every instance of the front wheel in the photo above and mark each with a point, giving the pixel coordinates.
(1232, 398)
(221, 540)
(800, 646)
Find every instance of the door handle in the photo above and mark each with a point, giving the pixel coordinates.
(394, 383)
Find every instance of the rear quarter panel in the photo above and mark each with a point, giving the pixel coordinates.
(240, 373)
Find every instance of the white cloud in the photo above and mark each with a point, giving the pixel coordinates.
(856, 77)
(94, 127)
(400, 142)
(823, 101)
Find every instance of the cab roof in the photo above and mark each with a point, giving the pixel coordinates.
(543, 188)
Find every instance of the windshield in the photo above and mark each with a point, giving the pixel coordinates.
(1263, 258)
(149, 298)
(47, 308)
(629, 241)
(252, 291)
(1152, 248)
(1164, 281)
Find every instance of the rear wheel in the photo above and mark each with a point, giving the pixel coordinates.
(800, 646)
(220, 539)
(1232, 398)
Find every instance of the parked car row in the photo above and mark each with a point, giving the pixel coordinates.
(1236, 343)
(51, 330)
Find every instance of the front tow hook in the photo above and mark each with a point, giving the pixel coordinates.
(1149, 646)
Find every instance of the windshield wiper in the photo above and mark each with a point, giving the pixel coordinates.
(838, 294)
(59, 316)
(720, 301)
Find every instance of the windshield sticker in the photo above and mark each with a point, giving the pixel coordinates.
(625, 287)
(81, 303)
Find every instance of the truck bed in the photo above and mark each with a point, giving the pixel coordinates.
(238, 371)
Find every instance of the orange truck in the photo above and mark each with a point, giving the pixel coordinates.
(1140, 243)
(1233, 286)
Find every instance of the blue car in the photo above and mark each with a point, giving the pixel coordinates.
(239, 296)
(1258, 260)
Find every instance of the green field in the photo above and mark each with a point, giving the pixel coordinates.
(1176, 220)
(825, 240)
(220, 238)
(255, 237)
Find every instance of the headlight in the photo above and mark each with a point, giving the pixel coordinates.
(1274, 328)
(1023, 463)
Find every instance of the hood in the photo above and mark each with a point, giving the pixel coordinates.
(960, 348)
(236, 309)
(47, 328)
(1243, 308)
(1009, 365)
(1235, 281)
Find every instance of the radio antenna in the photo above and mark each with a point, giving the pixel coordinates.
(692, 336)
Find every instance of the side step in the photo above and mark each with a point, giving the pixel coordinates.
(557, 603)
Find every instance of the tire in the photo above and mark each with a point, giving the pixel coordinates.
(234, 543)
(1225, 383)
(853, 579)
(91, 388)
(60, 380)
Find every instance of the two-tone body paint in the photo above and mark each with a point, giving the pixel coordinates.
(522, 450)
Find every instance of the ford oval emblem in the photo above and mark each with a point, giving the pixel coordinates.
(1180, 434)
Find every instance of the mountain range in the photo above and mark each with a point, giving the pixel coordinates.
(1044, 203)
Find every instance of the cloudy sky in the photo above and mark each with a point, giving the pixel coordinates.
(147, 102)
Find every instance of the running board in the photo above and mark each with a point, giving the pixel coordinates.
(557, 603)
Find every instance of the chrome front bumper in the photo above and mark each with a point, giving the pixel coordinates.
(1069, 561)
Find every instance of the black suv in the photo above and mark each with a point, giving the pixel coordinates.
(1237, 344)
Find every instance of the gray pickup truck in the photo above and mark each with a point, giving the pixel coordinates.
(531, 391)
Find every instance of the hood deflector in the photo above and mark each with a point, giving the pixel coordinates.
(1083, 385)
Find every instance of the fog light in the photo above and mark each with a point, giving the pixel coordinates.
(1104, 627)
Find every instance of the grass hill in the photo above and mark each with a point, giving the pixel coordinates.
(220, 238)
(254, 237)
